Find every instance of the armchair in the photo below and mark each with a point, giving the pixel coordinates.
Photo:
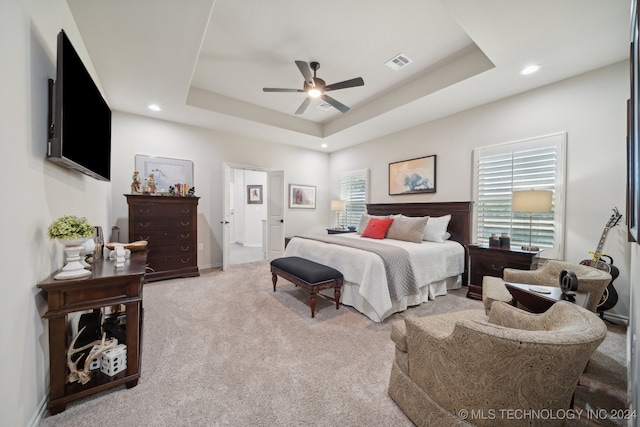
(509, 360)
(590, 279)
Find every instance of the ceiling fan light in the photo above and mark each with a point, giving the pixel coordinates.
(314, 93)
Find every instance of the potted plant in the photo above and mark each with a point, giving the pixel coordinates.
(72, 232)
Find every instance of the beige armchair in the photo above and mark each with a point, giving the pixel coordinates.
(590, 279)
(467, 368)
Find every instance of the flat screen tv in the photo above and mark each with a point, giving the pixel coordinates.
(79, 117)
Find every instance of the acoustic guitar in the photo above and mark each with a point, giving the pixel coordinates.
(604, 262)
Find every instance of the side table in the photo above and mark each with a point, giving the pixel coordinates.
(538, 299)
(107, 286)
(491, 261)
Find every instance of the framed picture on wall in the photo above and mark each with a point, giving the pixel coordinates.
(413, 176)
(302, 196)
(254, 194)
(166, 172)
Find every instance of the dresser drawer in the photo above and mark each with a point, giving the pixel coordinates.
(142, 225)
(174, 249)
(149, 211)
(163, 263)
(164, 237)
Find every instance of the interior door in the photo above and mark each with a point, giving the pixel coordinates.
(275, 214)
(226, 217)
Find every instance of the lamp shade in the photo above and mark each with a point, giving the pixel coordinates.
(532, 201)
(337, 205)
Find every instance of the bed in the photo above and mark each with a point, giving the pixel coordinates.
(437, 267)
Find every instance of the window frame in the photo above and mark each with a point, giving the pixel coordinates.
(557, 140)
(348, 216)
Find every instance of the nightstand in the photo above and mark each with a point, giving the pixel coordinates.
(490, 261)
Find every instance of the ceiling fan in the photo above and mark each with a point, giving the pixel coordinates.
(316, 87)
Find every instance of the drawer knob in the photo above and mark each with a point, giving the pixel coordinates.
(185, 223)
(145, 211)
(185, 261)
(144, 225)
(185, 249)
(497, 268)
(186, 211)
(185, 236)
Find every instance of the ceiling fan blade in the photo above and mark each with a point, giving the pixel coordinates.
(275, 89)
(337, 105)
(306, 72)
(303, 106)
(346, 84)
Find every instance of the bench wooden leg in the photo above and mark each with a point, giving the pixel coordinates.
(312, 303)
(336, 295)
(274, 279)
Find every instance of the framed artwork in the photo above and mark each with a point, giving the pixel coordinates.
(166, 172)
(254, 194)
(302, 196)
(413, 176)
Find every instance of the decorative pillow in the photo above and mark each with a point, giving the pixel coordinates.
(364, 220)
(377, 228)
(436, 229)
(408, 228)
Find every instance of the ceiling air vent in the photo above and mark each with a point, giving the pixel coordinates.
(324, 106)
(399, 61)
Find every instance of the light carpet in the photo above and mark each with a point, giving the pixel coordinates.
(223, 349)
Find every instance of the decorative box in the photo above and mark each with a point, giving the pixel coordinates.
(114, 360)
(95, 363)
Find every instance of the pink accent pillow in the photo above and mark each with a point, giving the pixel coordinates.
(377, 228)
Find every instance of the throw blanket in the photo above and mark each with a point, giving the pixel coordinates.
(400, 277)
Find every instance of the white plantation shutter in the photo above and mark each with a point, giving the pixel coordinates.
(354, 188)
(532, 164)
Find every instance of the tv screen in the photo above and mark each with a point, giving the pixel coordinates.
(80, 119)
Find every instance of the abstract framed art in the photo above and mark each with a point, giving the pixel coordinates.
(413, 176)
(302, 196)
(254, 194)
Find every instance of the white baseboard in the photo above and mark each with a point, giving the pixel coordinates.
(42, 409)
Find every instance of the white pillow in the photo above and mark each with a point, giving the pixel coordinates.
(436, 229)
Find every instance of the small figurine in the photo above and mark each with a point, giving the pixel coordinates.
(135, 184)
(192, 191)
(151, 183)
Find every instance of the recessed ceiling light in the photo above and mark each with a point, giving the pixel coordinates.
(529, 69)
(323, 145)
(154, 107)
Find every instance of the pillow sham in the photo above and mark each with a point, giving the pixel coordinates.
(377, 228)
(436, 229)
(410, 229)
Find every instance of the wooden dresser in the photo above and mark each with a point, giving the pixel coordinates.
(169, 224)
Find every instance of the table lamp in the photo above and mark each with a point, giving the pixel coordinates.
(531, 201)
(337, 206)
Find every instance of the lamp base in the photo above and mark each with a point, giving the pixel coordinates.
(530, 248)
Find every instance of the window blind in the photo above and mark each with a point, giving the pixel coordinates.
(499, 170)
(354, 191)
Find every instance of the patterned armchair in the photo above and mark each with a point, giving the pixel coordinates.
(464, 363)
(590, 279)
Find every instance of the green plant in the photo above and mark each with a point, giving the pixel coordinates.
(70, 227)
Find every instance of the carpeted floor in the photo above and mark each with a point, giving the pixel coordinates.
(223, 349)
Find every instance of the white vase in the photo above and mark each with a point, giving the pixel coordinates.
(73, 267)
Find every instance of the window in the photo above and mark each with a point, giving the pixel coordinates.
(499, 170)
(354, 190)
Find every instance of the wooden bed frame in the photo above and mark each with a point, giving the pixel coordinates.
(459, 226)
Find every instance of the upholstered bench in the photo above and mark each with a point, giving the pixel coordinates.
(309, 275)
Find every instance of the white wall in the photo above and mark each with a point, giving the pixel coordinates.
(591, 108)
(36, 193)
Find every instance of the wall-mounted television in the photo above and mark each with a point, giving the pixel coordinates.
(79, 117)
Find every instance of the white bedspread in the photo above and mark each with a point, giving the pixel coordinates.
(435, 264)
